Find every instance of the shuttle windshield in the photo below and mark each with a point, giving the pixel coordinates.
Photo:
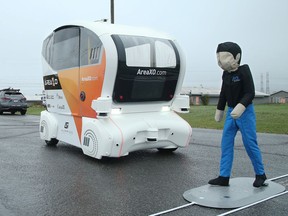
(148, 69)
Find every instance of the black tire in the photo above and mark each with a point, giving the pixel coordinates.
(23, 112)
(52, 142)
(167, 150)
(13, 113)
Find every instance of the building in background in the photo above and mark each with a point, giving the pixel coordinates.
(279, 97)
(198, 94)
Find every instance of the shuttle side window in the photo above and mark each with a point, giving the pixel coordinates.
(138, 55)
(165, 55)
(148, 52)
(91, 47)
(148, 69)
(47, 48)
(66, 46)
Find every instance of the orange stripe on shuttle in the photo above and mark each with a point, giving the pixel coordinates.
(69, 80)
(88, 79)
(78, 123)
(91, 82)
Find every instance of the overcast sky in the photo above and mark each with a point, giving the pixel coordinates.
(258, 26)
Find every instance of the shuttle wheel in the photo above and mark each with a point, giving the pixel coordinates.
(52, 142)
(167, 149)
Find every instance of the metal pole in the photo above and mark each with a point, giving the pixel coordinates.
(252, 204)
(279, 177)
(112, 11)
(174, 209)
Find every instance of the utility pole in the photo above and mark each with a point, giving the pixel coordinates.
(267, 83)
(112, 11)
(261, 84)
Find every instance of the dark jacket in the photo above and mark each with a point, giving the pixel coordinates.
(237, 87)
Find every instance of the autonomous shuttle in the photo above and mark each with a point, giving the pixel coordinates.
(112, 89)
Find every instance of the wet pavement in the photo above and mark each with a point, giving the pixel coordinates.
(41, 180)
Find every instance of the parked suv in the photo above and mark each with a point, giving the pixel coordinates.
(12, 100)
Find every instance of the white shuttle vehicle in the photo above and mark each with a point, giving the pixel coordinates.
(113, 89)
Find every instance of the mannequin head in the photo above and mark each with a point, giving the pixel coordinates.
(229, 56)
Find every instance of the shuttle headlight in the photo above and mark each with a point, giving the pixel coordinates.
(116, 111)
(165, 108)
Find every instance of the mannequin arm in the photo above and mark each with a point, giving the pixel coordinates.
(219, 115)
(238, 111)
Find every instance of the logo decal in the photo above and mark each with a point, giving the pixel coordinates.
(51, 82)
(66, 125)
(151, 72)
(236, 79)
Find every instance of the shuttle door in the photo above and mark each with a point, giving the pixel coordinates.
(92, 68)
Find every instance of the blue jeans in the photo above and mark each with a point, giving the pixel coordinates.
(247, 126)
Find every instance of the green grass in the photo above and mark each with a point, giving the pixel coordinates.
(202, 117)
(271, 118)
(35, 110)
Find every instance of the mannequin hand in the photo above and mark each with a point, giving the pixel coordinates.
(219, 115)
(238, 111)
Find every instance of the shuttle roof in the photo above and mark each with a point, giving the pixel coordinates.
(102, 28)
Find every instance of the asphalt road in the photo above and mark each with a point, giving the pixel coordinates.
(41, 180)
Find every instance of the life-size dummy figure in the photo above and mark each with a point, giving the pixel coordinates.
(238, 92)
